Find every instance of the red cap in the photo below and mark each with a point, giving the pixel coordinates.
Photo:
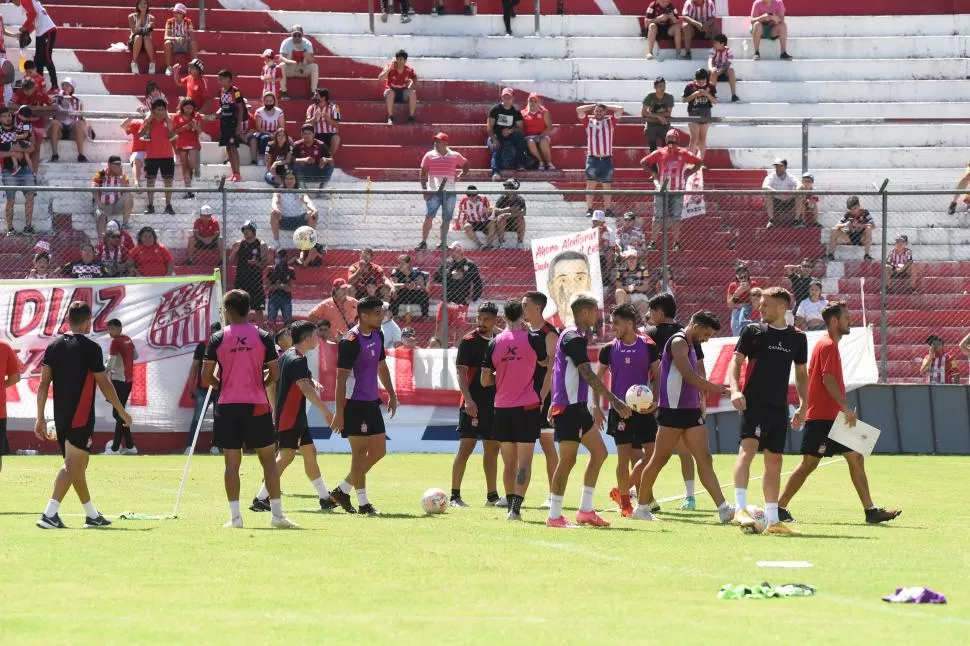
(442, 136)
(339, 282)
(508, 91)
(533, 96)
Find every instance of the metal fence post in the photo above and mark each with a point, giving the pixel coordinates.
(537, 15)
(805, 123)
(202, 15)
(370, 12)
(665, 223)
(883, 289)
(444, 274)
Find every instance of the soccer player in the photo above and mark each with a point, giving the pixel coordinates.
(295, 388)
(510, 364)
(572, 379)
(631, 360)
(679, 414)
(360, 353)
(476, 419)
(533, 304)
(770, 347)
(74, 364)
(243, 352)
(826, 399)
(11, 375)
(121, 360)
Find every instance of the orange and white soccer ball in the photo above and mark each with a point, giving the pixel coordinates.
(434, 501)
(639, 398)
(760, 520)
(51, 431)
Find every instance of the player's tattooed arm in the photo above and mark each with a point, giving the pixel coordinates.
(586, 372)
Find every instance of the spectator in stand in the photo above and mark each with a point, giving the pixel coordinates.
(962, 184)
(755, 314)
(630, 237)
(780, 206)
(409, 340)
(187, 125)
(179, 37)
(278, 158)
(663, 23)
(536, 126)
(808, 316)
(656, 110)
(41, 266)
(150, 257)
(152, 93)
(16, 172)
(801, 279)
(323, 330)
(855, 229)
(434, 343)
(68, 121)
(399, 86)
(30, 72)
(127, 242)
(599, 149)
(340, 309)
(200, 392)
(279, 281)
(739, 297)
(633, 283)
(296, 53)
(390, 328)
(250, 256)
(464, 286)
(806, 203)
(364, 272)
(232, 115)
(506, 141)
(325, 117)
(310, 161)
(87, 266)
(193, 84)
(900, 266)
(271, 74)
(205, 235)
(112, 254)
(312, 257)
(965, 346)
(39, 22)
(700, 97)
(441, 167)
(475, 216)
(160, 130)
(141, 23)
(110, 203)
(137, 149)
(33, 107)
(268, 119)
(410, 286)
(387, 6)
(668, 168)
(698, 18)
(658, 281)
(768, 21)
(938, 366)
(609, 251)
(290, 209)
(720, 64)
(509, 214)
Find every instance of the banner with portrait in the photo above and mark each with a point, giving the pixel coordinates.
(565, 265)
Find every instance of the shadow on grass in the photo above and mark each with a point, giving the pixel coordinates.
(612, 528)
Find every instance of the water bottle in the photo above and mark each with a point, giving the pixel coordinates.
(744, 46)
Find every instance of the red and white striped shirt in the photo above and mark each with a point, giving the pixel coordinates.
(900, 257)
(721, 59)
(702, 13)
(442, 167)
(599, 136)
(943, 370)
(316, 114)
(105, 180)
(68, 108)
(672, 163)
(474, 210)
(267, 121)
(177, 29)
(107, 256)
(275, 73)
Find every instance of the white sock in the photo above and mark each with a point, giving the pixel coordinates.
(234, 509)
(555, 506)
(633, 491)
(771, 512)
(89, 510)
(740, 498)
(276, 506)
(321, 488)
(263, 493)
(689, 487)
(344, 486)
(586, 501)
(724, 505)
(362, 497)
(52, 507)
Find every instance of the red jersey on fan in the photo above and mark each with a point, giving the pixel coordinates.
(399, 79)
(137, 144)
(188, 140)
(671, 164)
(196, 89)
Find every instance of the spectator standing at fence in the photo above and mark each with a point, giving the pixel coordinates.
(698, 18)
(410, 286)
(45, 31)
(855, 229)
(600, 127)
(663, 23)
(801, 279)
(632, 283)
(739, 297)
(780, 205)
(205, 235)
(267, 120)
(141, 23)
(806, 203)
(629, 236)
(506, 140)
(399, 86)
(808, 316)
(160, 130)
(754, 315)
(41, 267)
(291, 209)
(938, 366)
(668, 168)
(409, 339)
(279, 285)
(609, 250)
(310, 161)
(509, 214)
(962, 184)
(700, 97)
(441, 167)
(720, 63)
(365, 272)
(110, 203)
(899, 264)
(340, 309)
(250, 256)
(537, 126)
(179, 37)
(232, 114)
(87, 266)
(390, 328)
(112, 254)
(656, 110)
(15, 172)
(150, 257)
(68, 121)
(464, 286)
(325, 117)
(768, 21)
(296, 53)
(475, 216)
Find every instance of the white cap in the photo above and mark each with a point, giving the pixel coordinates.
(179, 8)
(457, 245)
(599, 216)
(113, 227)
(70, 82)
(205, 209)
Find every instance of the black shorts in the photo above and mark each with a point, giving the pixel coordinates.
(212, 245)
(856, 237)
(638, 430)
(238, 425)
(815, 439)
(572, 423)
(4, 444)
(680, 418)
(227, 133)
(477, 428)
(294, 438)
(479, 226)
(81, 438)
(163, 165)
(512, 223)
(519, 424)
(363, 419)
(722, 78)
(544, 422)
(325, 138)
(767, 425)
(399, 94)
(663, 32)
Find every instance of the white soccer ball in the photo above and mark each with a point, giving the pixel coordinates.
(639, 398)
(51, 431)
(434, 501)
(304, 238)
(760, 520)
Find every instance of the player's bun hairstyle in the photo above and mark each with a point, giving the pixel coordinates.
(488, 307)
(625, 312)
(780, 293)
(513, 310)
(114, 323)
(665, 302)
(833, 310)
(301, 331)
(707, 319)
(369, 304)
(237, 302)
(78, 313)
(537, 298)
(582, 301)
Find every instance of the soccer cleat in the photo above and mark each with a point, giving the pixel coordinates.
(235, 523)
(260, 504)
(626, 512)
(615, 496)
(368, 510)
(784, 516)
(743, 519)
(132, 451)
(457, 502)
(782, 530)
(689, 504)
(327, 504)
(642, 512)
(493, 502)
(591, 518)
(559, 523)
(96, 523)
(880, 515)
(51, 522)
(343, 500)
(282, 522)
(727, 514)
(513, 516)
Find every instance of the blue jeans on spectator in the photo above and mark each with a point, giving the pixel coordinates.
(446, 203)
(279, 302)
(312, 174)
(199, 413)
(740, 316)
(517, 139)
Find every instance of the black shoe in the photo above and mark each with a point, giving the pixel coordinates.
(468, 10)
(260, 505)
(784, 516)
(410, 121)
(81, 159)
(677, 246)
(421, 246)
(343, 500)
(284, 95)
(880, 515)
(328, 504)
(735, 99)
(589, 213)
(867, 258)
(55, 157)
(785, 57)
(610, 213)
(952, 209)
(188, 262)
(96, 523)
(51, 522)
(150, 209)
(441, 245)
(830, 256)
(189, 195)
(29, 230)
(368, 510)
(169, 209)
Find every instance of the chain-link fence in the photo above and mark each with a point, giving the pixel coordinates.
(900, 260)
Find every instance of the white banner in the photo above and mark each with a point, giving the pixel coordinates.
(565, 265)
(694, 205)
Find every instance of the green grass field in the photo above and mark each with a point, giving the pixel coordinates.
(468, 576)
